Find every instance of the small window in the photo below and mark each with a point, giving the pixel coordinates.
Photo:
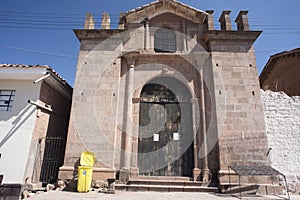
(6, 99)
(165, 41)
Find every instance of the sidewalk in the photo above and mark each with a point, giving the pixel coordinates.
(122, 195)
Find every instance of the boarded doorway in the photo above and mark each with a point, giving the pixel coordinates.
(165, 146)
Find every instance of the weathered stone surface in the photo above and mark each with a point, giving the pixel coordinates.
(217, 68)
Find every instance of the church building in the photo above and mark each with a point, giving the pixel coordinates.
(166, 94)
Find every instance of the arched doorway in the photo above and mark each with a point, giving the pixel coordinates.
(165, 145)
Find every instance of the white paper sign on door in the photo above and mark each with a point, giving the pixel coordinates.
(176, 136)
(155, 137)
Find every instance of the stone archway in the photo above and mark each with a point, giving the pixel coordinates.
(165, 144)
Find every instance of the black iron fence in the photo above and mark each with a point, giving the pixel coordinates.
(52, 159)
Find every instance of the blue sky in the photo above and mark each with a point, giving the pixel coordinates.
(40, 31)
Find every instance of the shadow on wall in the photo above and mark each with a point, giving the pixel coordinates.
(17, 123)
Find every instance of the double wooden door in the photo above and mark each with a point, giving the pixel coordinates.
(165, 146)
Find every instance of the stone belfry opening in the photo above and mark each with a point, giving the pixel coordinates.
(165, 146)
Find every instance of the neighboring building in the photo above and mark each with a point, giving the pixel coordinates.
(280, 79)
(167, 95)
(34, 115)
(282, 73)
(282, 117)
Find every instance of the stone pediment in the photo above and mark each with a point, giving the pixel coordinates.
(165, 6)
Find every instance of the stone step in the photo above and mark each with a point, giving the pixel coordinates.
(236, 188)
(171, 178)
(165, 188)
(263, 189)
(164, 182)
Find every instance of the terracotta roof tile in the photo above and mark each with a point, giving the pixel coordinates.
(49, 69)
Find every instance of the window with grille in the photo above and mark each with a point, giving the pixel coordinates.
(6, 99)
(165, 41)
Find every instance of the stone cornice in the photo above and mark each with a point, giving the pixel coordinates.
(163, 6)
(153, 56)
(94, 34)
(233, 35)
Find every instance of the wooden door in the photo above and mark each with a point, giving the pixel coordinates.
(164, 134)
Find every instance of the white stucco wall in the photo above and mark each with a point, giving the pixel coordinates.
(16, 127)
(282, 117)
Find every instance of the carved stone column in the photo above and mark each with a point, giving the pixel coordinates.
(195, 119)
(184, 36)
(146, 34)
(128, 116)
(134, 170)
(203, 151)
(127, 122)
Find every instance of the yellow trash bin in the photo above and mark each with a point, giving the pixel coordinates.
(85, 174)
(87, 158)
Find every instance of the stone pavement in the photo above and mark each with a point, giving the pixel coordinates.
(123, 195)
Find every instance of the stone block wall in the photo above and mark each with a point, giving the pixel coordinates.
(282, 117)
(241, 129)
(97, 114)
(94, 108)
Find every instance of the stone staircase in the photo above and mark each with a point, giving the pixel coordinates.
(252, 189)
(164, 184)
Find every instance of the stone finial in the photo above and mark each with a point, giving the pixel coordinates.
(242, 21)
(210, 20)
(225, 20)
(89, 21)
(105, 21)
(122, 21)
(145, 21)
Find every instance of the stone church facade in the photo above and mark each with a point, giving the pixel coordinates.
(165, 94)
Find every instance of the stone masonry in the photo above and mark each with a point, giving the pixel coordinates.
(216, 67)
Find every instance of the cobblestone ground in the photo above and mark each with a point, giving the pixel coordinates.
(121, 195)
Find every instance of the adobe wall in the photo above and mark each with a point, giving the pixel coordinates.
(16, 129)
(283, 75)
(282, 117)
